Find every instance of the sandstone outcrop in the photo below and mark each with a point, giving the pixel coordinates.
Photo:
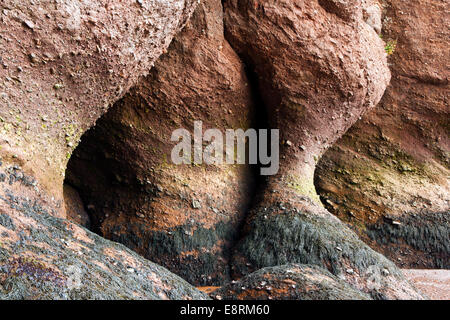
(61, 65)
(389, 175)
(320, 67)
(435, 284)
(289, 282)
(47, 257)
(185, 217)
(308, 68)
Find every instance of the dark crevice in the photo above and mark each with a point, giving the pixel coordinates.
(104, 180)
(76, 207)
(91, 170)
(259, 121)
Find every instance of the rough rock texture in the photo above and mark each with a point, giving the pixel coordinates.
(62, 64)
(75, 210)
(320, 66)
(300, 232)
(290, 282)
(46, 257)
(184, 217)
(389, 175)
(317, 66)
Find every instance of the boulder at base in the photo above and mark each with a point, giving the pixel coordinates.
(290, 282)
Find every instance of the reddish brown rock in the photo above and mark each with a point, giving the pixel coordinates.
(389, 175)
(320, 66)
(61, 65)
(186, 216)
(75, 210)
(434, 283)
(46, 257)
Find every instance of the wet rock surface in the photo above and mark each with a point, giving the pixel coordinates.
(388, 176)
(46, 257)
(185, 217)
(314, 90)
(289, 282)
(301, 232)
(308, 68)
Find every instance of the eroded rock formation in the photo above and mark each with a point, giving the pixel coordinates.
(315, 67)
(290, 282)
(61, 65)
(320, 66)
(185, 217)
(389, 175)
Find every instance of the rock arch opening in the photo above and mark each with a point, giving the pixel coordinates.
(121, 185)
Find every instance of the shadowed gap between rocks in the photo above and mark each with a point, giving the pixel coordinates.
(260, 121)
(83, 203)
(162, 211)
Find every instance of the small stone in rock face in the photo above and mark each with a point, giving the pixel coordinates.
(349, 271)
(29, 24)
(303, 148)
(32, 57)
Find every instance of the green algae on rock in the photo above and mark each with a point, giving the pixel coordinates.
(46, 257)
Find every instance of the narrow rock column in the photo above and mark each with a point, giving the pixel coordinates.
(320, 66)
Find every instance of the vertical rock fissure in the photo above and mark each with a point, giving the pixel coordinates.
(259, 121)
